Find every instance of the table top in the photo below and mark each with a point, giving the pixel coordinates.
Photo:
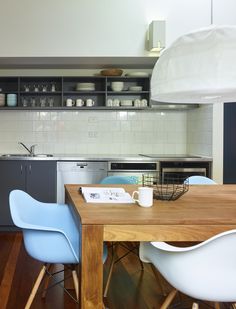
(201, 205)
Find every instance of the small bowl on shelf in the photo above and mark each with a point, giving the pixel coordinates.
(117, 86)
(135, 88)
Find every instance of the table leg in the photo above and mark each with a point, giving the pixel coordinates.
(91, 267)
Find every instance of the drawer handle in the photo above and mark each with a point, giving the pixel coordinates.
(81, 165)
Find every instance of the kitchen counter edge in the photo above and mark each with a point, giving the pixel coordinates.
(104, 158)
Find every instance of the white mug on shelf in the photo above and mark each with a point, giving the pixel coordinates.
(90, 102)
(116, 102)
(109, 102)
(137, 103)
(70, 102)
(144, 103)
(79, 102)
(145, 196)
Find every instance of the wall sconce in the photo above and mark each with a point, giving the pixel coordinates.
(156, 35)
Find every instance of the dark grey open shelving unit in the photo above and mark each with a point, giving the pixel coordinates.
(53, 91)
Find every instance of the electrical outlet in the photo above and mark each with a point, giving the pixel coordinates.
(93, 134)
(92, 119)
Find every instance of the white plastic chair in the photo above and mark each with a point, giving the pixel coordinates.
(200, 180)
(206, 271)
(50, 235)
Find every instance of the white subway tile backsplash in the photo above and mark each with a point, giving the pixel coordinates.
(112, 132)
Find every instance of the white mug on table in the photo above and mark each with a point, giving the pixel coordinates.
(145, 196)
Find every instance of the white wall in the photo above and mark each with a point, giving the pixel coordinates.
(199, 131)
(217, 142)
(90, 132)
(91, 27)
(224, 12)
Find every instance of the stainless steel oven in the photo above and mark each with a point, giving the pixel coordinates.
(184, 169)
(133, 168)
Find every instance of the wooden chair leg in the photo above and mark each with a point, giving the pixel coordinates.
(36, 286)
(158, 278)
(47, 280)
(76, 283)
(195, 306)
(169, 299)
(217, 305)
(109, 277)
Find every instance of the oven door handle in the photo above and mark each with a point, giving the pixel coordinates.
(183, 170)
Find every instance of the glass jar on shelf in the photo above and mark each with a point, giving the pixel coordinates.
(36, 88)
(24, 101)
(50, 102)
(26, 87)
(42, 102)
(33, 102)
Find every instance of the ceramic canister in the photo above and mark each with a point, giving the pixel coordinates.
(11, 99)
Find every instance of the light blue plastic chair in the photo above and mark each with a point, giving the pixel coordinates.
(50, 234)
(200, 180)
(119, 180)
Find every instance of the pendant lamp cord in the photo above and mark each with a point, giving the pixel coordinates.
(211, 12)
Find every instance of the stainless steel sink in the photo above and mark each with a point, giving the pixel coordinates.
(15, 155)
(8, 155)
(42, 155)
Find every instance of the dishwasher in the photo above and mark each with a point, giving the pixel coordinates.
(78, 173)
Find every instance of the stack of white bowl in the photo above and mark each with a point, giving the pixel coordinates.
(117, 86)
(85, 86)
(11, 99)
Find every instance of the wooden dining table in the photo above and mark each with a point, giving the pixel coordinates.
(200, 213)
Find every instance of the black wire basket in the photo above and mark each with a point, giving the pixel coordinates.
(169, 189)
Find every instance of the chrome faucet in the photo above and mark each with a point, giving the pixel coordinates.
(30, 150)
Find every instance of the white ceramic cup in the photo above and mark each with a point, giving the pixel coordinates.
(145, 196)
(79, 102)
(89, 102)
(70, 102)
(144, 103)
(109, 102)
(137, 103)
(116, 102)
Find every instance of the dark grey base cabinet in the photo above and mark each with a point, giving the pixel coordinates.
(38, 178)
(229, 158)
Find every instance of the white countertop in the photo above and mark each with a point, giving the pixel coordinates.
(108, 157)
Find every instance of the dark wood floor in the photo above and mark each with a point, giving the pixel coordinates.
(131, 287)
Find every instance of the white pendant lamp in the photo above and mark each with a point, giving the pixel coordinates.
(199, 67)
